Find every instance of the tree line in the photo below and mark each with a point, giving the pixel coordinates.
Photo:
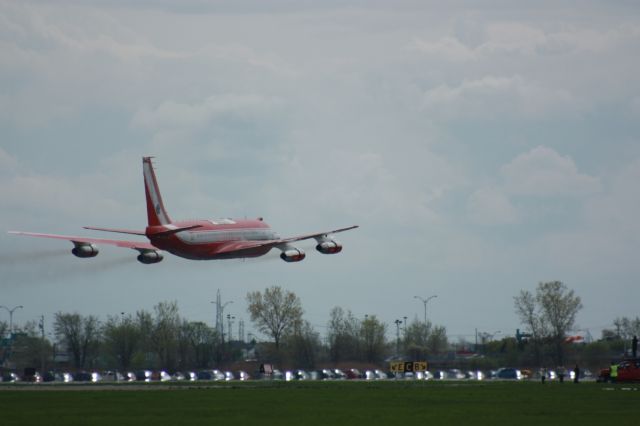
(164, 339)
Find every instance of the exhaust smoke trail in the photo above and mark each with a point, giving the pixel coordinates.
(30, 257)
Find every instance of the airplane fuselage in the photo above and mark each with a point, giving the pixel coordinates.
(204, 242)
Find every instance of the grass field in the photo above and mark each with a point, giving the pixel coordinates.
(326, 403)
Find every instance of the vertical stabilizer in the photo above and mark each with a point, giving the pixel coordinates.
(156, 213)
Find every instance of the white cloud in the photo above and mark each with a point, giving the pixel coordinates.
(8, 164)
(544, 172)
(490, 206)
(498, 98)
(175, 114)
(449, 48)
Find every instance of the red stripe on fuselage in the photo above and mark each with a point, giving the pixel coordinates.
(181, 246)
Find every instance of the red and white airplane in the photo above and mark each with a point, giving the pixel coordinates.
(200, 239)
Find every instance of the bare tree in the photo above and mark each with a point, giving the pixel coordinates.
(303, 344)
(626, 328)
(343, 334)
(202, 342)
(275, 312)
(80, 334)
(550, 314)
(560, 307)
(121, 339)
(165, 333)
(530, 315)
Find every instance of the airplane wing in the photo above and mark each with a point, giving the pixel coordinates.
(136, 245)
(316, 235)
(239, 246)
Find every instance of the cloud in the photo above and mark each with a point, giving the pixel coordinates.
(490, 206)
(8, 163)
(544, 172)
(497, 98)
(449, 48)
(174, 114)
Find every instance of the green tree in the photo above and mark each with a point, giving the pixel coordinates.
(275, 312)
(372, 339)
(422, 339)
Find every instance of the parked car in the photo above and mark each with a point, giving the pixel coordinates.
(277, 375)
(628, 371)
(328, 374)
(143, 376)
(509, 374)
(10, 377)
(381, 375)
(82, 376)
(353, 373)
(455, 374)
(339, 374)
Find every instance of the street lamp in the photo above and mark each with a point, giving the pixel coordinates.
(425, 301)
(11, 316)
(398, 322)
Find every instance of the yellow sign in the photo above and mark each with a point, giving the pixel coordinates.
(401, 366)
(420, 366)
(396, 366)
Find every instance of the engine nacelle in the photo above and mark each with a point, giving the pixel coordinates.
(150, 257)
(329, 247)
(85, 250)
(292, 255)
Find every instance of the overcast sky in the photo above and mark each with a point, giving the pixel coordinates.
(482, 147)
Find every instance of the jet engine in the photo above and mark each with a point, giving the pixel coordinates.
(150, 256)
(292, 255)
(329, 247)
(85, 250)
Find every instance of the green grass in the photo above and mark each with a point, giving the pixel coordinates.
(332, 403)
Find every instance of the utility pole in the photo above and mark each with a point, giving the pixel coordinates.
(424, 302)
(219, 315)
(42, 345)
(241, 330)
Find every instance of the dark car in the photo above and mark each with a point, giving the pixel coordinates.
(82, 376)
(509, 374)
(205, 375)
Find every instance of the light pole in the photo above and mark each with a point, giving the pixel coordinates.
(398, 322)
(11, 316)
(425, 301)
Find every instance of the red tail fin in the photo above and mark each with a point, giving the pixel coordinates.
(156, 213)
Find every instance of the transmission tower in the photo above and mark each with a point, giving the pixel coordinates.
(241, 330)
(219, 313)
